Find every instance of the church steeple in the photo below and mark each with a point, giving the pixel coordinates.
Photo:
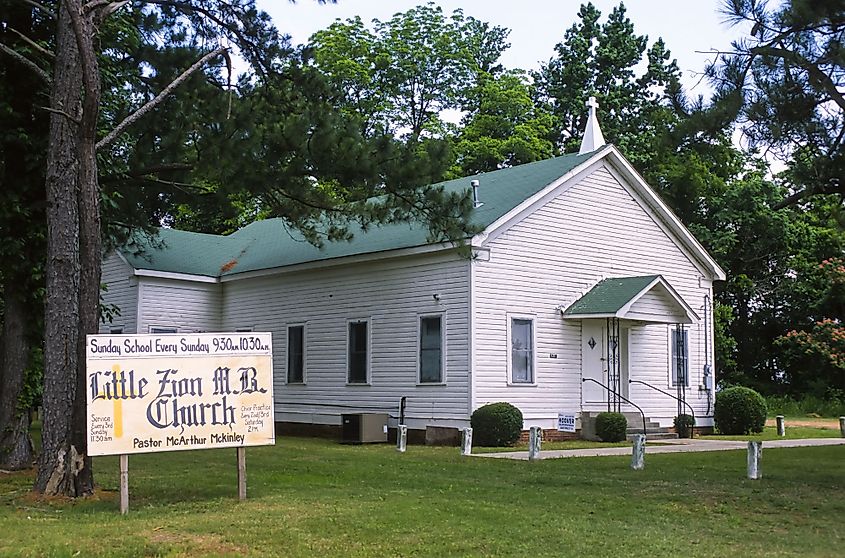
(593, 138)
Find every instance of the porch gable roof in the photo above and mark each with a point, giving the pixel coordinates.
(618, 297)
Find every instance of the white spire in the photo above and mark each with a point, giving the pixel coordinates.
(593, 138)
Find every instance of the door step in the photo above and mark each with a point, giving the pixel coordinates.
(653, 430)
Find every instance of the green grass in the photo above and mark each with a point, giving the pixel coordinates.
(317, 498)
(563, 445)
(792, 433)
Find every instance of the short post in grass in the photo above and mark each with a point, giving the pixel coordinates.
(466, 441)
(124, 484)
(638, 453)
(402, 438)
(781, 425)
(535, 434)
(755, 456)
(842, 426)
(241, 456)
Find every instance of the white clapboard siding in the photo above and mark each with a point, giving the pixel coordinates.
(391, 294)
(122, 292)
(656, 304)
(185, 305)
(594, 229)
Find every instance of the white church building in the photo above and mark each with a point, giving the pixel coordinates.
(584, 293)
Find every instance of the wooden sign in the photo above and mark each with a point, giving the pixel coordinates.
(167, 392)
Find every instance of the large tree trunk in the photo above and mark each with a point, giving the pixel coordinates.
(15, 443)
(90, 248)
(59, 460)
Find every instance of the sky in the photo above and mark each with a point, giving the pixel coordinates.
(688, 27)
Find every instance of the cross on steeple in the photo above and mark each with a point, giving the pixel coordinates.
(593, 138)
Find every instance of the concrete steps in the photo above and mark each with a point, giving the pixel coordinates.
(653, 430)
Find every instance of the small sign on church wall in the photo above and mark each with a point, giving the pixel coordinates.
(566, 422)
(166, 392)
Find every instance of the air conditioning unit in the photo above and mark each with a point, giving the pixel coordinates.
(363, 428)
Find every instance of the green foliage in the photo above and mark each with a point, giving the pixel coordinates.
(504, 129)
(401, 75)
(684, 425)
(611, 427)
(739, 410)
(784, 86)
(832, 404)
(774, 280)
(496, 424)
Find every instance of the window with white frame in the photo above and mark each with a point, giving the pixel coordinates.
(357, 356)
(431, 349)
(679, 355)
(522, 350)
(296, 354)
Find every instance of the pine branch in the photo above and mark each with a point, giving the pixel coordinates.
(72, 118)
(32, 43)
(814, 72)
(135, 116)
(27, 62)
(41, 7)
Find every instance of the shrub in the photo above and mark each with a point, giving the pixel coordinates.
(496, 424)
(611, 427)
(739, 410)
(684, 426)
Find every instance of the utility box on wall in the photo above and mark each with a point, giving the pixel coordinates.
(364, 428)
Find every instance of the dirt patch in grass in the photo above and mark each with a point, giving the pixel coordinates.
(196, 544)
(826, 423)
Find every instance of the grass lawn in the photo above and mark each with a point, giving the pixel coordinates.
(317, 498)
(792, 433)
(563, 445)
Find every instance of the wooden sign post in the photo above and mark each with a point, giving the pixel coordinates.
(241, 473)
(124, 484)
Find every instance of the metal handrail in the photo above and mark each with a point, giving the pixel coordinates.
(620, 397)
(691, 410)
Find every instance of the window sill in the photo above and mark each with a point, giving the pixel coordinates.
(522, 384)
(295, 383)
(431, 384)
(360, 384)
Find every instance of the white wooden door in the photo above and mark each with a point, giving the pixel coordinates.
(593, 364)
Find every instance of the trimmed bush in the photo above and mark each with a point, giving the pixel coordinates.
(496, 424)
(611, 427)
(685, 426)
(739, 410)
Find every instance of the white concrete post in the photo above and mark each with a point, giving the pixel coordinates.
(466, 442)
(535, 434)
(755, 456)
(781, 425)
(842, 426)
(401, 438)
(638, 453)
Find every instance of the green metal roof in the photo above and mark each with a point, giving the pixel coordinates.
(609, 295)
(270, 243)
